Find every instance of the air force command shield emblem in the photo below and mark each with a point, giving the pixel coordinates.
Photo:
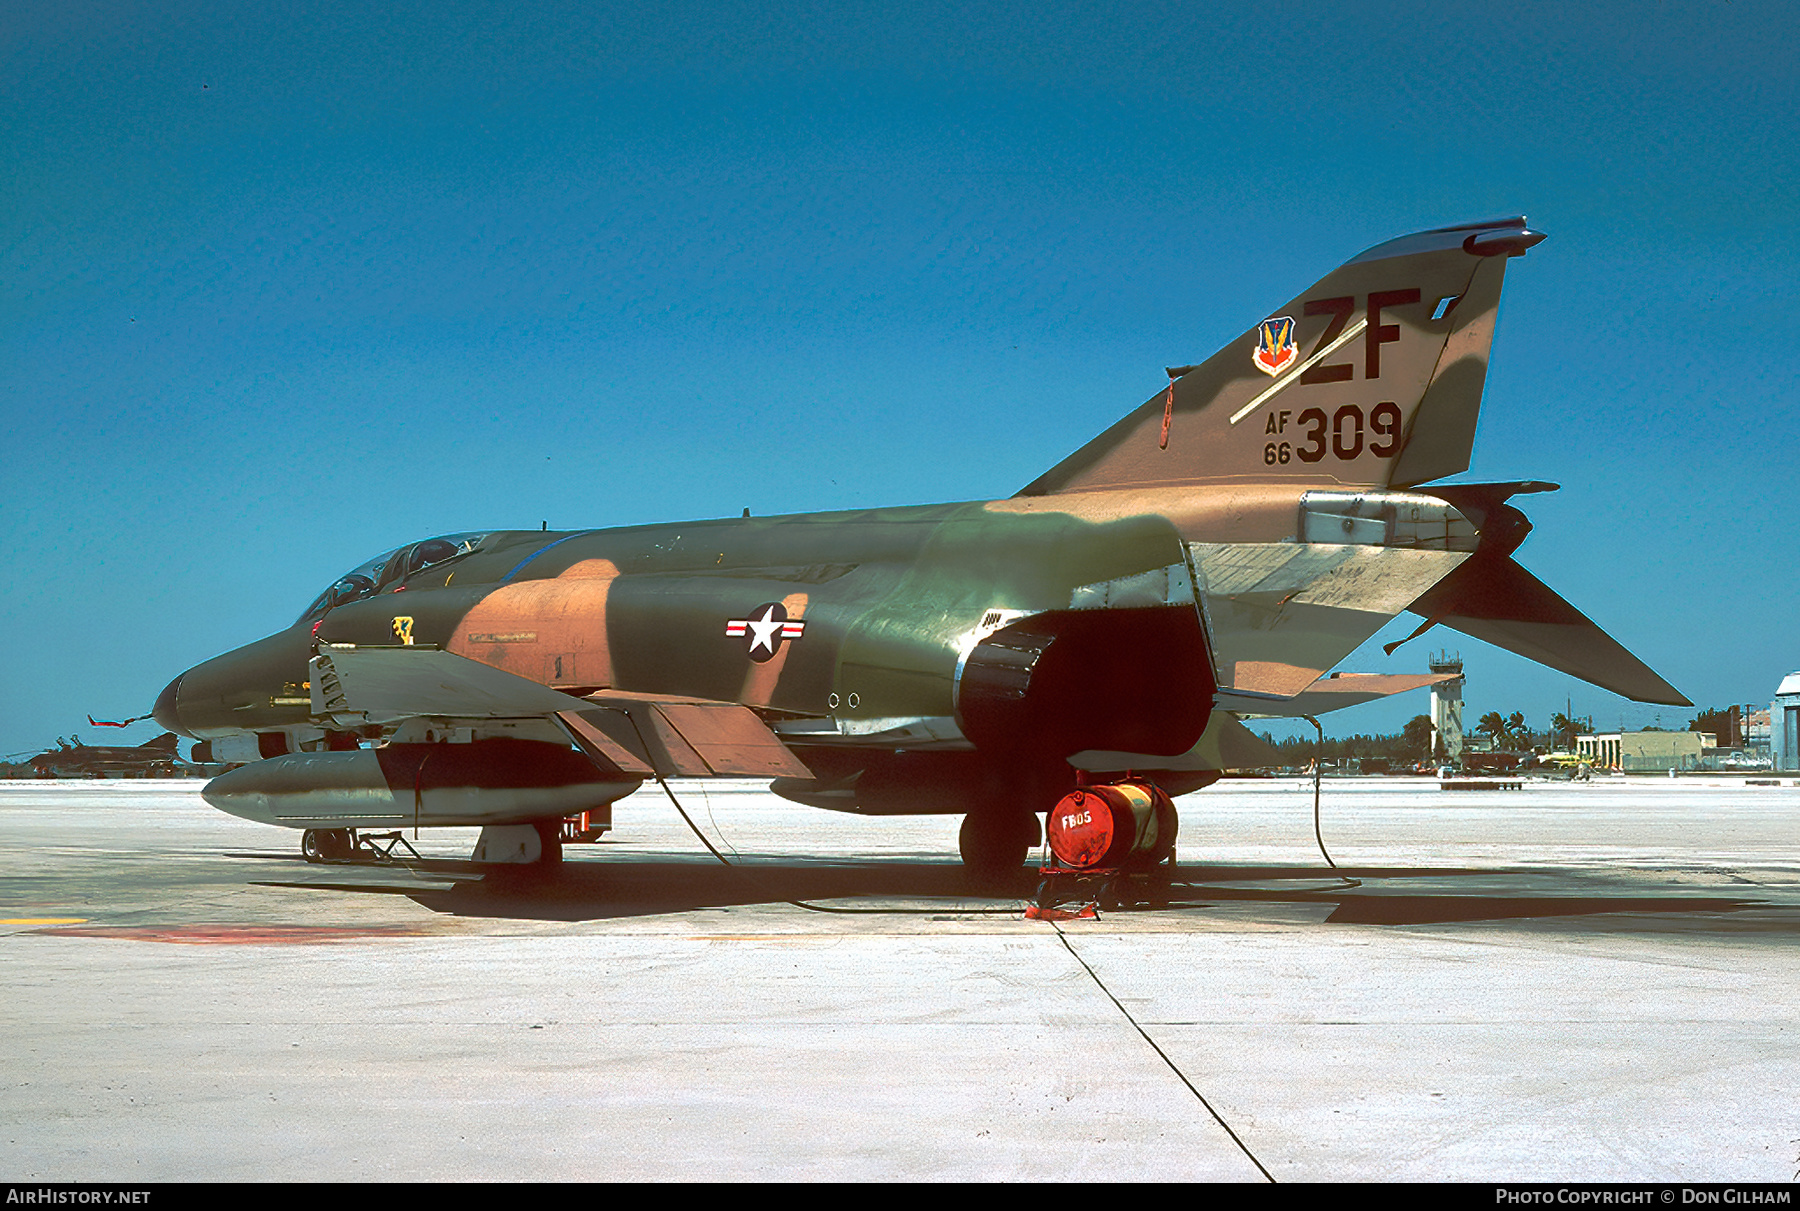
(1275, 348)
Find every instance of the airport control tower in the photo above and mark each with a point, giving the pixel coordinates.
(1446, 711)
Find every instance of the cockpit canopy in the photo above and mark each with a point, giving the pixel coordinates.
(392, 568)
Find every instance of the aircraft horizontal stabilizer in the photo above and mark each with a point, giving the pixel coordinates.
(1332, 693)
(1226, 744)
(1499, 602)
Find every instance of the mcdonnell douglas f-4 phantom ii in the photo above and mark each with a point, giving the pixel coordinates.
(72, 759)
(1212, 555)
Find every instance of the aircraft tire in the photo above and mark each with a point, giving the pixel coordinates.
(994, 845)
(326, 844)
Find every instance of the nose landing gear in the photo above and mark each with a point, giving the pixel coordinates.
(350, 845)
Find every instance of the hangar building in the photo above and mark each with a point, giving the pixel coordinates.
(1784, 724)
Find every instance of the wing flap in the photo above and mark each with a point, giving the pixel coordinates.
(695, 737)
(599, 746)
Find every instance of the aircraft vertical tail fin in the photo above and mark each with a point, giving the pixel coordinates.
(1372, 377)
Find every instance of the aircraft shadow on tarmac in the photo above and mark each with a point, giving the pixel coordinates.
(587, 891)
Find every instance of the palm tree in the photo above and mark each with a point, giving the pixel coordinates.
(1565, 728)
(1416, 737)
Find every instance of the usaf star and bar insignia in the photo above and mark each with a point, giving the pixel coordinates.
(765, 629)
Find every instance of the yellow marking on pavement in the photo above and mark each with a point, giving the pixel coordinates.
(42, 920)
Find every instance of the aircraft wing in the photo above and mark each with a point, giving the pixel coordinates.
(1499, 602)
(670, 735)
(357, 685)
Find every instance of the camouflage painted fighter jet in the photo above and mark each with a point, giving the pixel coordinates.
(1212, 555)
(72, 759)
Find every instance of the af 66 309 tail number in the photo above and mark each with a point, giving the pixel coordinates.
(1344, 434)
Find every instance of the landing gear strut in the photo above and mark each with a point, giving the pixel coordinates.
(347, 844)
(550, 839)
(995, 844)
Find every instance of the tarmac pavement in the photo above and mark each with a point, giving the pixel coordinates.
(1569, 982)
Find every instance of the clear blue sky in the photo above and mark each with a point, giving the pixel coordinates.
(284, 286)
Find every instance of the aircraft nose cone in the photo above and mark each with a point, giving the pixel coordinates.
(166, 711)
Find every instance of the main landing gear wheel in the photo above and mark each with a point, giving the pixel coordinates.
(325, 844)
(994, 845)
(525, 877)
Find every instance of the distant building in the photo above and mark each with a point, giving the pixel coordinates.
(1600, 750)
(1731, 727)
(1784, 724)
(1647, 752)
(1756, 732)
